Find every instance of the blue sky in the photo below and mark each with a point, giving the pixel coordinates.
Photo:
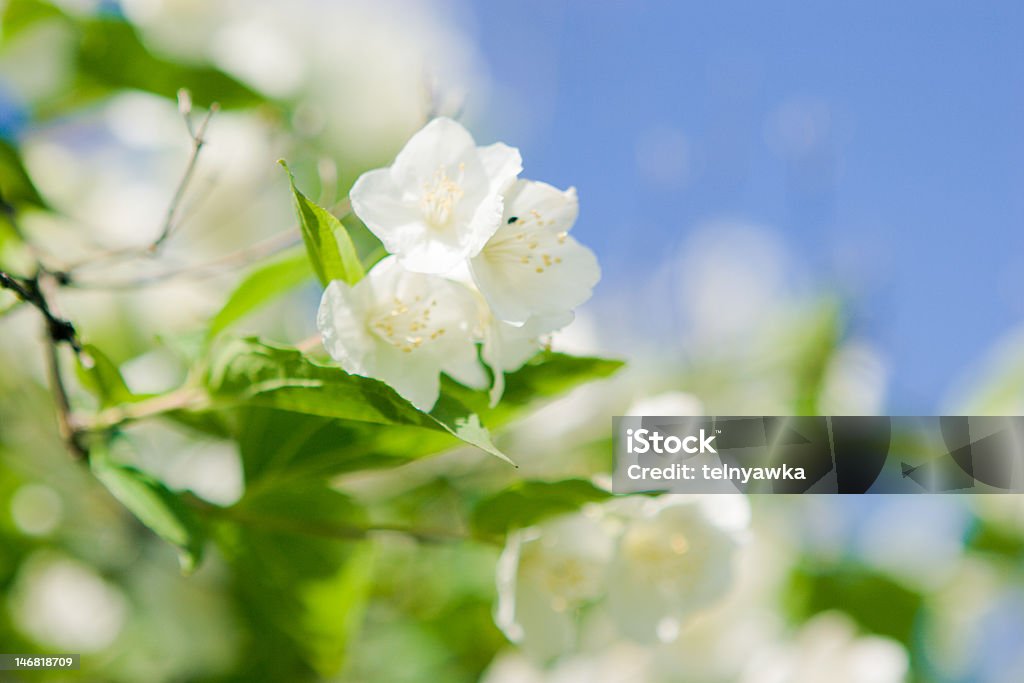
(883, 142)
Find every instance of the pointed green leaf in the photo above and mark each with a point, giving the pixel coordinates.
(547, 375)
(303, 575)
(259, 288)
(529, 502)
(279, 443)
(253, 373)
(156, 506)
(330, 247)
(16, 187)
(101, 377)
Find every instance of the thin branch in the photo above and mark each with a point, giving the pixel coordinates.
(212, 268)
(58, 331)
(69, 431)
(172, 216)
(269, 247)
(198, 140)
(27, 289)
(186, 398)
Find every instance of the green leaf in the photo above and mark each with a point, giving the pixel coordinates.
(546, 375)
(277, 444)
(551, 374)
(111, 55)
(156, 506)
(108, 55)
(258, 288)
(16, 187)
(330, 247)
(303, 576)
(103, 378)
(253, 373)
(20, 14)
(876, 602)
(528, 502)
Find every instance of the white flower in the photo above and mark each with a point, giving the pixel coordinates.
(828, 648)
(675, 556)
(674, 403)
(400, 327)
(531, 266)
(644, 563)
(544, 575)
(441, 200)
(620, 663)
(507, 347)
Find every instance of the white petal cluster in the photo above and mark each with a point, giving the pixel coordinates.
(401, 327)
(647, 563)
(477, 258)
(620, 663)
(829, 648)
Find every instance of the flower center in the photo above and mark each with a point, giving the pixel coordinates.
(407, 325)
(441, 194)
(568, 580)
(658, 556)
(528, 242)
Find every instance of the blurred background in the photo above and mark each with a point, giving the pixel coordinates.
(798, 208)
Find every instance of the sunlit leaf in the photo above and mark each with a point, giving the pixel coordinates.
(529, 502)
(109, 55)
(260, 287)
(156, 506)
(102, 378)
(302, 574)
(278, 444)
(253, 373)
(16, 187)
(547, 375)
(330, 248)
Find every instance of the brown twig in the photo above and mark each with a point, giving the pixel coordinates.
(172, 214)
(218, 266)
(28, 290)
(69, 431)
(198, 140)
(32, 291)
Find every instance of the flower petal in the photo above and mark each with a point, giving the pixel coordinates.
(502, 164)
(671, 560)
(532, 266)
(441, 143)
(415, 376)
(518, 291)
(379, 203)
(341, 321)
(507, 347)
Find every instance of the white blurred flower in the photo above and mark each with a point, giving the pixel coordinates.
(646, 563)
(440, 201)
(828, 648)
(675, 556)
(669, 403)
(544, 575)
(401, 327)
(63, 604)
(531, 266)
(621, 663)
